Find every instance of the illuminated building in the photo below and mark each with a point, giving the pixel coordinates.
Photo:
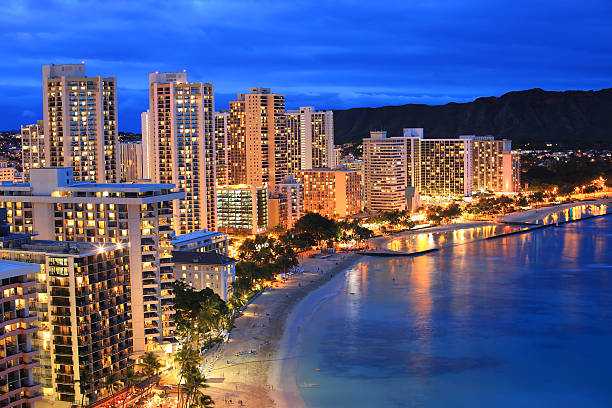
(131, 161)
(444, 168)
(310, 139)
(82, 303)
(182, 144)
(222, 147)
(512, 172)
(333, 193)
(17, 354)
(286, 204)
(32, 147)
(80, 123)
(201, 241)
(242, 209)
(57, 208)
(147, 146)
(387, 170)
(458, 167)
(7, 173)
(257, 139)
(202, 270)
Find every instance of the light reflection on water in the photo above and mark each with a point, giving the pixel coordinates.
(431, 240)
(574, 213)
(517, 321)
(435, 239)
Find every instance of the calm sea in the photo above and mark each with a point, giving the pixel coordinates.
(521, 321)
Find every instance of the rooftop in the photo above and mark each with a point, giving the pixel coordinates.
(195, 236)
(69, 248)
(201, 258)
(11, 269)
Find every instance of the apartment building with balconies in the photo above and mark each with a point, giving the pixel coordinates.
(57, 208)
(18, 356)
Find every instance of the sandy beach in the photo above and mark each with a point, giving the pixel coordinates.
(241, 373)
(256, 368)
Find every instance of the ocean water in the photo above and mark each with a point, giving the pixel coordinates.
(520, 321)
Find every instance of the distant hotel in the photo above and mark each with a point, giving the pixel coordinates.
(399, 169)
(242, 209)
(80, 123)
(180, 143)
(333, 193)
(310, 139)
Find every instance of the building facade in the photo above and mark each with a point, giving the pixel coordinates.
(32, 147)
(286, 204)
(80, 123)
(202, 270)
(222, 147)
(139, 215)
(201, 241)
(242, 209)
(333, 193)
(257, 139)
(182, 138)
(310, 136)
(387, 164)
(18, 356)
(83, 314)
(131, 161)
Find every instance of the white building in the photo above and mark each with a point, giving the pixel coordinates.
(201, 241)
(57, 208)
(313, 133)
(202, 270)
(181, 140)
(80, 122)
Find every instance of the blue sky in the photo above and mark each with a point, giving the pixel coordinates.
(330, 54)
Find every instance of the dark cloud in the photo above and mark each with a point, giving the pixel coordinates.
(336, 54)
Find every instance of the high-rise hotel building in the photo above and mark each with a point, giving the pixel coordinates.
(333, 193)
(182, 145)
(388, 164)
(57, 208)
(80, 123)
(222, 147)
(32, 147)
(310, 139)
(397, 170)
(82, 303)
(257, 139)
(18, 356)
(462, 166)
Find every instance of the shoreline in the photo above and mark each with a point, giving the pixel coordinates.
(527, 216)
(283, 372)
(267, 378)
(244, 377)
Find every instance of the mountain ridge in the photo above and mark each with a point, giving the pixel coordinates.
(572, 118)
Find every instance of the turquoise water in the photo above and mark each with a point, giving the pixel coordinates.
(521, 321)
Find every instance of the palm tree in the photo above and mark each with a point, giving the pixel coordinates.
(84, 383)
(150, 364)
(188, 359)
(194, 384)
(110, 383)
(131, 377)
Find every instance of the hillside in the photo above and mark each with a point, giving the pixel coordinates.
(572, 118)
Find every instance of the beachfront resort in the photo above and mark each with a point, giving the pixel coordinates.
(248, 250)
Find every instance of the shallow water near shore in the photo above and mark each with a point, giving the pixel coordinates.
(524, 320)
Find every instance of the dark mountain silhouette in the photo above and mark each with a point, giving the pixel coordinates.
(570, 118)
